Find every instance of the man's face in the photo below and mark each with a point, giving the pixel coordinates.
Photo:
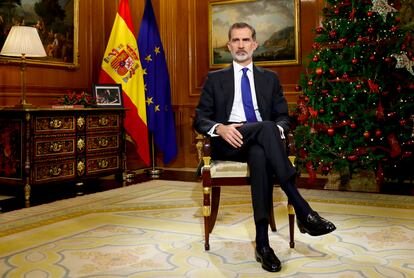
(242, 45)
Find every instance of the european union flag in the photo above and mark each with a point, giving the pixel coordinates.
(160, 117)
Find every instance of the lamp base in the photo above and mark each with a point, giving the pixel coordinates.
(24, 105)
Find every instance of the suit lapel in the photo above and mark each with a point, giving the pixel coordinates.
(259, 83)
(228, 89)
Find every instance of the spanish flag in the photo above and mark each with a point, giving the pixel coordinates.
(121, 65)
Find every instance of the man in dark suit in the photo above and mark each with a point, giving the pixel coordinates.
(243, 109)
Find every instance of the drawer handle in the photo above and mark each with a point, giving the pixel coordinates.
(81, 168)
(55, 147)
(103, 121)
(55, 171)
(55, 123)
(103, 163)
(80, 122)
(103, 142)
(80, 144)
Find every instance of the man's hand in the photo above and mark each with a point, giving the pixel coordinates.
(230, 134)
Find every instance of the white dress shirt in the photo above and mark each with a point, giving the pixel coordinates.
(237, 114)
(237, 111)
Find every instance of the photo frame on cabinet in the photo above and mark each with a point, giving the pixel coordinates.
(276, 23)
(58, 29)
(108, 95)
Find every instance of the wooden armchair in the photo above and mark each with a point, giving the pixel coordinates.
(215, 174)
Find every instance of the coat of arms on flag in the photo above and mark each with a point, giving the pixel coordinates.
(124, 61)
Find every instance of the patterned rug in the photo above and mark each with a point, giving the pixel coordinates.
(155, 229)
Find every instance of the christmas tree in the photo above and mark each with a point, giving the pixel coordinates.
(356, 109)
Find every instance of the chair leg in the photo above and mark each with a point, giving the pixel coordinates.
(291, 212)
(272, 221)
(206, 214)
(215, 202)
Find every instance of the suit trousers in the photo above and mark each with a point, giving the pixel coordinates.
(266, 156)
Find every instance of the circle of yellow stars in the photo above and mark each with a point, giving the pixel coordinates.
(150, 100)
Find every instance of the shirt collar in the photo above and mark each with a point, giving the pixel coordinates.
(237, 67)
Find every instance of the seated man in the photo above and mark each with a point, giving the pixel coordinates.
(243, 108)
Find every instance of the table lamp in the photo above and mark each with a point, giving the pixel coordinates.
(23, 41)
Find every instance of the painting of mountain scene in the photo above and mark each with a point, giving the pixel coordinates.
(276, 24)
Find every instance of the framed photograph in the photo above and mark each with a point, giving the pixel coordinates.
(57, 24)
(108, 95)
(277, 28)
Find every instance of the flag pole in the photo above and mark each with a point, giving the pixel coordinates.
(153, 172)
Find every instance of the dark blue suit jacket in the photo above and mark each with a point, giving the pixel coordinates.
(217, 97)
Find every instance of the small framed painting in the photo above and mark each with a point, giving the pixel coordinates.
(108, 95)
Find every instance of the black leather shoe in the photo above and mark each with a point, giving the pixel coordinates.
(315, 225)
(268, 259)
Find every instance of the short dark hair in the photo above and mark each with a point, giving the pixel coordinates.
(241, 25)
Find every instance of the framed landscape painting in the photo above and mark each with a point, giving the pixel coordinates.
(277, 28)
(57, 25)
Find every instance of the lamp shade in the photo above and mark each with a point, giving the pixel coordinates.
(23, 40)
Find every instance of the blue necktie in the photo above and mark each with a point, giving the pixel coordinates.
(247, 97)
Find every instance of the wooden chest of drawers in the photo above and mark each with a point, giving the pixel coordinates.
(52, 145)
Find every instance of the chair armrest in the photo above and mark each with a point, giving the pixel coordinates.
(291, 147)
(203, 151)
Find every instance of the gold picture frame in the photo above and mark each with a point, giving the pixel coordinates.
(276, 23)
(58, 28)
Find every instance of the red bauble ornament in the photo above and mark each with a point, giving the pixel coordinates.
(352, 157)
(325, 91)
(378, 133)
(372, 57)
(358, 86)
(352, 125)
(316, 45)
(332, 33)
(354, 61)
(319, 30)
(342, 40)
(345, 76)
(388, 59)
(370, 30)
(319, 71)
(315, 58)
(367, 134)
(403, 122)
(336, 11)
(326, 169)
(331, 131)
(298, 88)
(369, 13)
(335, 99)
(394, 28)
(332, 71)
(321, 110)
(310, 82)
